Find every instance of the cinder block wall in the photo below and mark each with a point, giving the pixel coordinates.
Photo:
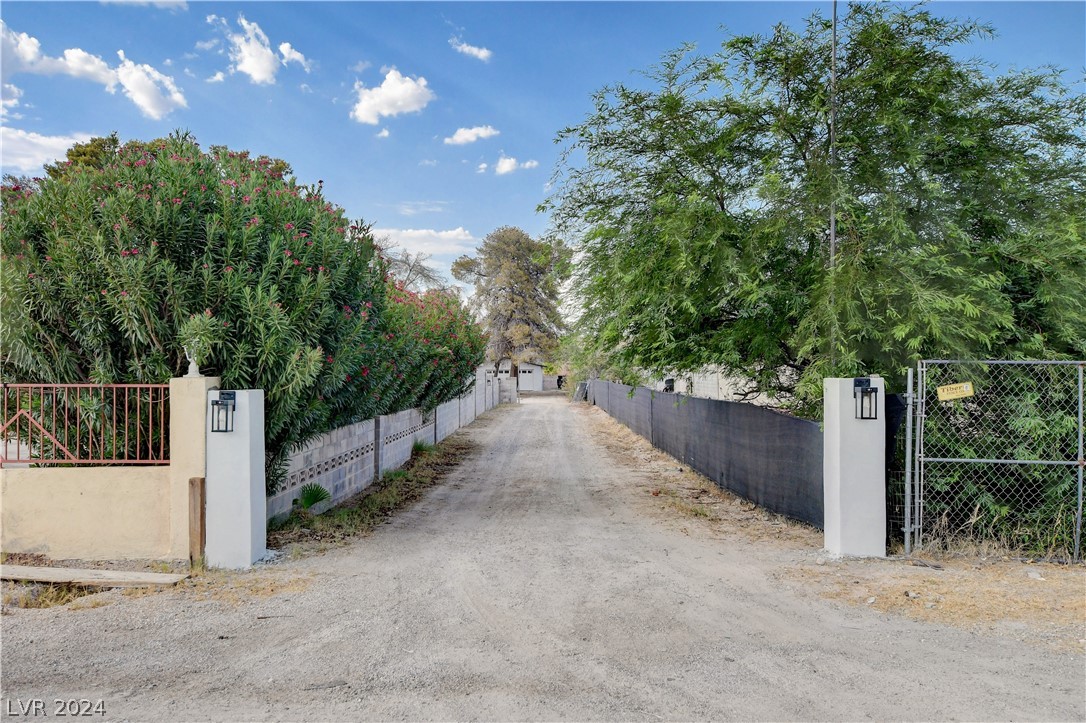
(347, 460)
(341, 461)
(397, 434)
(447, 419)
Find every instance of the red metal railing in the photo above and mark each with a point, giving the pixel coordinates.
(85, 424)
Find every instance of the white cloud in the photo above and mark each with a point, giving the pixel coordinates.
(304, 87)
(153, 93)
(506, 165)
(459, 46)
(290, 55)
(397, 94)
(252, 54)
(9, 101)
(383, 134)
(430, 241)
(360, 66)
(27, 152)
(428, 162)
(463, 136)
(217, 78)
(207, 44)
(481, 168)
(413, 208)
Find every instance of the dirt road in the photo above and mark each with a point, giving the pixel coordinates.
(539, 582)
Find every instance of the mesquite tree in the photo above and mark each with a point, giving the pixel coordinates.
(700, 213)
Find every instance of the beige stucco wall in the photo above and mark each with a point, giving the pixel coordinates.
(102, 513)
(188, 453)
(90, 513)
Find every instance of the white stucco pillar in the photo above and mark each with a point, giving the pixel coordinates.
(236, 498)
(854, 468)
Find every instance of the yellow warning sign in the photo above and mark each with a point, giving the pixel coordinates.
(955, 391)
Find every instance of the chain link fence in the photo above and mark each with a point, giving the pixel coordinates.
(999, 455)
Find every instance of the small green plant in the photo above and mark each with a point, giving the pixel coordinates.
(311, 494)
(421, 447)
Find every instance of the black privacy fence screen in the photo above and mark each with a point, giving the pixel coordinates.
(769, 458)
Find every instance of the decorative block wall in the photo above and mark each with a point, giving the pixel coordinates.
(341, 461)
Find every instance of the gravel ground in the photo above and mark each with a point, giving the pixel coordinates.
(538, 582)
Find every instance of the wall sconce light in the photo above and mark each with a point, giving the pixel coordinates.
(867, 398)
(222, 412)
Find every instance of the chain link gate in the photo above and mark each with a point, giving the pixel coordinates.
(998, 456)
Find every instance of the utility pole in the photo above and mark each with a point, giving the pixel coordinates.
(833, 187)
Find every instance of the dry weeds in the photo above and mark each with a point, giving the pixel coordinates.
(42, 595)
(1042, 603)
(303, 534)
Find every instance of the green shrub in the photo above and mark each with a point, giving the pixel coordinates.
(312, 493)
(109, 268)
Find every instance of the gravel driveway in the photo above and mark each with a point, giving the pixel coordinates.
(535, 583)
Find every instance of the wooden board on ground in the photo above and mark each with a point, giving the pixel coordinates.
(89, 578)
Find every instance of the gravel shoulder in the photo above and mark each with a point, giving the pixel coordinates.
(544, 580)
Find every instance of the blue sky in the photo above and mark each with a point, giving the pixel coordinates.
(433, 121)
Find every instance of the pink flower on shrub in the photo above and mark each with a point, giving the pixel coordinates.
(124, 293)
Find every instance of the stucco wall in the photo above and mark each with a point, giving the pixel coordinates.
(90, 513)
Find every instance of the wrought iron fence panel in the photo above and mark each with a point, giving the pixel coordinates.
(72, 424)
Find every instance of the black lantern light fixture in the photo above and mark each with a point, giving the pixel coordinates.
(222, 412)
(866, 397)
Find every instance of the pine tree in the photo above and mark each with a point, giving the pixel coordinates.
(516, 292)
